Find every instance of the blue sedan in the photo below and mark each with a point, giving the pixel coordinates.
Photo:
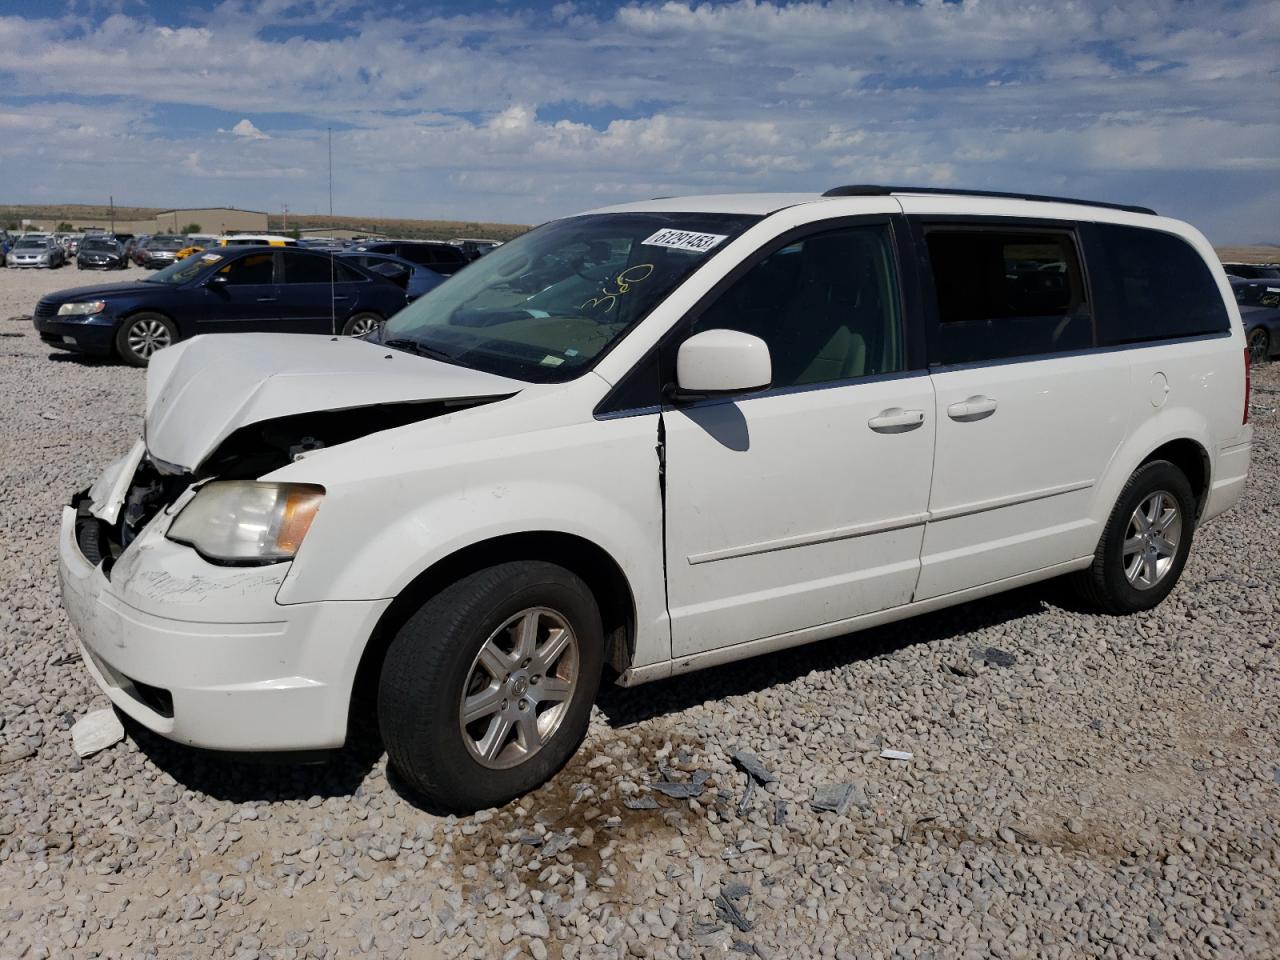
(230, 290)
(1259, 302)
(414, 278)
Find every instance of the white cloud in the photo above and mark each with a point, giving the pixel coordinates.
(248, 131)
(519, 115)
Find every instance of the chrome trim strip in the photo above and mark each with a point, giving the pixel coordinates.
(982, 506)
(809, 539)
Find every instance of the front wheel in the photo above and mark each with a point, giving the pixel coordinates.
(1145, 543)
(361, 324)
(1259, 345)
(486, 691)
(141, 335)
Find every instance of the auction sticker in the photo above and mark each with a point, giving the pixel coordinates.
(685, 240)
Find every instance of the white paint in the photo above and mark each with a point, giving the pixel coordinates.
(789, 516)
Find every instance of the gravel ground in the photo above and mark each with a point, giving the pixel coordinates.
(1089, 787)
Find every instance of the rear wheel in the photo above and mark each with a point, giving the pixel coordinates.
(1259, 345)
(361, 324)
(1145, 543)
(141, 335)
(486, 691)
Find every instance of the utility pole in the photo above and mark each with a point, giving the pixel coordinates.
(284, 228)
(111, 200)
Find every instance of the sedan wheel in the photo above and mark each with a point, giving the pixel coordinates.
(142, 335)
(361, 325)
(1259, 345)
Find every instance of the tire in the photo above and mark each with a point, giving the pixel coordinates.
(143, 334)
(1109, 584)
(361, 324)
(436, 656)
(1259, 345)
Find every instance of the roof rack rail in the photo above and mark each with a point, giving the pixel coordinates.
(875, 190)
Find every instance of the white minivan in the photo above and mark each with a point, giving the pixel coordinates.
(646, 440)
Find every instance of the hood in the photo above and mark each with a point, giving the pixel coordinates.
(201, 391)
(101, 291)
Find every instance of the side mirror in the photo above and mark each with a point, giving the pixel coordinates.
(217, 280)
(721, 363)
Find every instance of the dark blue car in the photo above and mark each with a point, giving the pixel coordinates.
(1259, 302)
(228, 290)
(413, 278)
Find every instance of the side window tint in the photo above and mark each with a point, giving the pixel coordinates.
(827, 306)
(1157, 287)
(303, 268)
(1007, 294)
(257, 268)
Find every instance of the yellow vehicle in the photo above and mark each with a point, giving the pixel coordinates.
(188, 251)
(257, 239)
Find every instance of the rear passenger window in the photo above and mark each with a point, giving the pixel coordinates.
(1007, 294)
(1153, 286)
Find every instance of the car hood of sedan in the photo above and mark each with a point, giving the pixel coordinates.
(201, 391)
(102, 291)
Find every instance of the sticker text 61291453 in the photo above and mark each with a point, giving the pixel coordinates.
(685, 240)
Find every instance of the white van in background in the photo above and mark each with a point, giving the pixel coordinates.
(647, 440)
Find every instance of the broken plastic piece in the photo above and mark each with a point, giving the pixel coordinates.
(96, 731)
(835, 797)
(680, 791)
(887, 754)
(750, 763)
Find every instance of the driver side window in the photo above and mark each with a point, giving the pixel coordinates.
(257, 268)
(827, 306)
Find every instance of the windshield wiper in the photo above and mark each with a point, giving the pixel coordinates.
(421, 349)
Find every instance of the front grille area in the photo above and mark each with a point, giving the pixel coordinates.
(46, 309)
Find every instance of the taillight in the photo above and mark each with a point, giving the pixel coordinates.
(1248, 385)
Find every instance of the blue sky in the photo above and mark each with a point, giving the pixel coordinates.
(520, 111)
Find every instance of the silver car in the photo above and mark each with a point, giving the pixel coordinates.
(36, 252)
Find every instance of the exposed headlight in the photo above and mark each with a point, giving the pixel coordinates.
(246, 520)
(88, 308)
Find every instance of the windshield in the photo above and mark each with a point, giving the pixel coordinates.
(28, 244)
(166, 243)
(184, 270)
(103, 246)
(545, 305)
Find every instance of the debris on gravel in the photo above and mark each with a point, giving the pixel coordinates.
(1084, 786)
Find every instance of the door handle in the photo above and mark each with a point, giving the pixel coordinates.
(341, 298)
(896, 420)
(266, 299)
(975, 408)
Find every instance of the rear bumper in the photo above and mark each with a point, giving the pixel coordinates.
(1230, 474)
(279, 684)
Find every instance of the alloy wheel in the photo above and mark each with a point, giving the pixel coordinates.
(146, 336)
(1259, 346)
(363, 325)
(1151, 542)
(519, 688)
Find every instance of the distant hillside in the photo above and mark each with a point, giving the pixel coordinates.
(392, 227)
(426, 229)
(1257, 253)
(71, 212)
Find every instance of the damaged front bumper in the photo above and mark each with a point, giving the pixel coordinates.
(202, 653)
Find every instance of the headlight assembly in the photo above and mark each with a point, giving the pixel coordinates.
(85, 309)
(244, 521)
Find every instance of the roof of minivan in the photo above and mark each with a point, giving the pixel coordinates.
(761, 204)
